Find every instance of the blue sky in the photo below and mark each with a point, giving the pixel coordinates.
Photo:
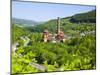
(45, 11)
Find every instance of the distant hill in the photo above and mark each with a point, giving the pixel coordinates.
(84, 17)
(24, 22)
(68, 24)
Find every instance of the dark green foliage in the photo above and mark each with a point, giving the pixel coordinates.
(89, 17)
(17, 32)
(77, 54)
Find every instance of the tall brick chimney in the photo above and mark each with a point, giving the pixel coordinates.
(58, 25)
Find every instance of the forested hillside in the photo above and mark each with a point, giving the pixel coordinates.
(68, 26)
(89, 17)
(17, 32)
(30, 54)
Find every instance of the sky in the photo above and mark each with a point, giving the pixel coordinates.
(46, 11)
